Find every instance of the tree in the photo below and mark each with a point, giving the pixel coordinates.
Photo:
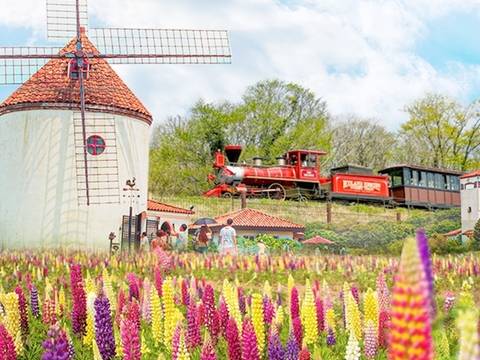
(362, 142)
(442, 133)
(476, 236)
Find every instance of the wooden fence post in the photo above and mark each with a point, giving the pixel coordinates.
(399, 216)
(243, 197)
(329, 212)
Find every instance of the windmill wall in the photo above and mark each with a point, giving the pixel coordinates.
(40, 204)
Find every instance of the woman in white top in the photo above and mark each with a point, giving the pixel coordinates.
(228, 239)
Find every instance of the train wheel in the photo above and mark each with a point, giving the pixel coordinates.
(227, 195)
(277, 192)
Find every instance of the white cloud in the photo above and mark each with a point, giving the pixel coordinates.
(357, 54)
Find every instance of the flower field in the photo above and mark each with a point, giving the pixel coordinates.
(58, 305)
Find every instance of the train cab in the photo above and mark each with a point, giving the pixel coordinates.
(419, 186)
(306, 163)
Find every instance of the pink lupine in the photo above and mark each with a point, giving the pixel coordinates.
(130, 337)
(304, 354)
(7, 346)
(185, 295)
(211, 314)
(371, 342)
(268, 310)
(193, 327)
(249, 342)
(297, 330)
(223, 315)
(79, 300)
(208, 352)
(233, 341)
(320, 314)
(176, 342)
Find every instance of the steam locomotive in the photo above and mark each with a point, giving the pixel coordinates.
(297, 176)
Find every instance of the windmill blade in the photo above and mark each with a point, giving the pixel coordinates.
(17, 64)
(162, 46)
(62, 18)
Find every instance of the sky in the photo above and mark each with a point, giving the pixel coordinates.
(364, 57)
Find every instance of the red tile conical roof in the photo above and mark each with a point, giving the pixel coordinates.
(50, 87)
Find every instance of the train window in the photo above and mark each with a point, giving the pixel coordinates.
(422, 179)
(454, 183)
(430, 180)
(414, 178)
(440, 181)
(397, 178)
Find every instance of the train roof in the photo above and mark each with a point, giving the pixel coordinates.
(303, 151)
(422, 168)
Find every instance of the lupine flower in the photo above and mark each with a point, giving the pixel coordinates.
(249, 342)
(294, 304)
(424, 251)
(211, 315)
(104, 328)
(130, 336)
(442, 347)
(304, 354)
(22, 309)
(169, 312)
(176, 342)
(268, 310)
(258, 320)
(156, 314)
(353, 318)
(79, 301)
(275, 347)
(12, 318)
(371, 343)
(208, 352)
(233, 340)
(146, 308)
(34, 306)
(231, 296)
(319, 311)
(56, 346)
(90, 327)
(297, 330)
(410, 331)
(370, 307)
(469, 337)
(292, 348)
(448, 302)
(49, 317)
(279, 316)
(193, 327)
(223, 315)
(7, 346)
(309, 316)
(331, 340)
(353, 349)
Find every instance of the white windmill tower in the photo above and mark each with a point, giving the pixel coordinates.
(73, 133)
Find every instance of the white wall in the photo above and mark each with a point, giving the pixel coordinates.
(38, 181)
(470, 202)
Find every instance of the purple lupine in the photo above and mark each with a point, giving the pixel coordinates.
(22, 307)
(208, 352)
(193, 326)
(275, 347)
(56, 346)
(79, 300)
(104, 328)
(297, 330)
(249, 342)
(34, 306)
(424, 251)
(233, 341)
(268, 310)
(355, 293)
(294, 304)
(292, 349)
(331, 340)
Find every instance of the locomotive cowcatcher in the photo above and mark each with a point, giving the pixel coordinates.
(296, 175)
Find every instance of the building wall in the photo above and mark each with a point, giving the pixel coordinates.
(470, 202)
(172, 218)
(38, 181)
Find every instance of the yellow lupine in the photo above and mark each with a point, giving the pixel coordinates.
(354, 324)
(279, 316)
(90, 328)
(370, 307)
(231, 300)
(156, 310)
(330, 319)
(308, 315)
(11, 320)
(267, 289)
(169, 312)
(258, 320)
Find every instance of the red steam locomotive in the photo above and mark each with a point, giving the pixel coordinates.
(297, 176)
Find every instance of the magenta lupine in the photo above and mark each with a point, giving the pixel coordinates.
(34, 306)
(294, 304)
(223, 315)
(249, 342)
(176, 342)
(193, 327)
(383, 325)
(275, 347)
(56, 346)
(208, 352)
(241, 301)
(133, 287)
(104, 328)
(130, 336)
(158, 280)
(22, 308)
(185, 295)
(355, 293)
(121, 301)
(7, 346)
(320, 314)
(233, 340)
(79, 300)
(297, 330)
(211, 314)
(268, 310)
(292, 349)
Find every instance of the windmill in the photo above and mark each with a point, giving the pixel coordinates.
(67, 19)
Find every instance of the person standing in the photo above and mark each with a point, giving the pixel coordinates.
(144, 243)
(228, 239)
(203, 238)
(182, 238)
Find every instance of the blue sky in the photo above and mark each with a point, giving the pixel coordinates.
(368, 57)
